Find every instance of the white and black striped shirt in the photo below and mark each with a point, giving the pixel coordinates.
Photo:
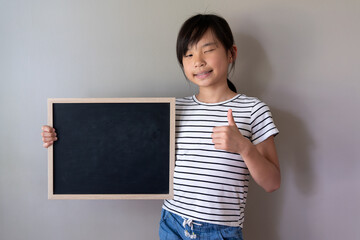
(211, 185)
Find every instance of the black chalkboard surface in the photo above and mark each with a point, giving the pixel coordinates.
(117, 148)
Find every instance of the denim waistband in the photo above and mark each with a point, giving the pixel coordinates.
(196, 224)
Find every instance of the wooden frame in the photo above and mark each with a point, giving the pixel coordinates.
(171, 101)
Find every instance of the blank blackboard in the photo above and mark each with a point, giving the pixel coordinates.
(112, 148)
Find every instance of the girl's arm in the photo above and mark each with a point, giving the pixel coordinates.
(263, 164)
(261, 159)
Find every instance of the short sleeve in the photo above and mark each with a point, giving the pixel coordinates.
(262, 124)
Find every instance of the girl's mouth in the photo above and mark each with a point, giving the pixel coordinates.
(203, 75)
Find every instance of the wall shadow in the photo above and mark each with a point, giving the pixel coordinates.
(264, 210)
(253, 71)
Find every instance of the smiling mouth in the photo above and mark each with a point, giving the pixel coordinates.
(203, 74)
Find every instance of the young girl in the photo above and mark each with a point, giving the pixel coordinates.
(221, 139)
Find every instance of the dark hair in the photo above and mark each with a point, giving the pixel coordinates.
(195, 27)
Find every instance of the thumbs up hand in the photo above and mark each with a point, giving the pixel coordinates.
(229, 138)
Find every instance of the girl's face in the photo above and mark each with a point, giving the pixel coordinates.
(206, 63)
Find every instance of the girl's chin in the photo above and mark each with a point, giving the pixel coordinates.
(206, 85)
(202, 83)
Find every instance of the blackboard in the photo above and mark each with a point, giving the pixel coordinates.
(112, 148)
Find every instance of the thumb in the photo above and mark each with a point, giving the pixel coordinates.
(230, 118)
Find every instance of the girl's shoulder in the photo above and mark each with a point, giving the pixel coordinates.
(243, 97)
(188, 98)
(185, 100)
(243, 100)
(238, 100)
(253, 103)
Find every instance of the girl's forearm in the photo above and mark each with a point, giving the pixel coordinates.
(263, 171)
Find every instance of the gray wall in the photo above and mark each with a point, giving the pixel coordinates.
(300, 57)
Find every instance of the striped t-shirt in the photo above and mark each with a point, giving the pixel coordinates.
(211, 185)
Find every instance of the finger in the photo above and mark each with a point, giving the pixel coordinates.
(47, 134)
(49, 139)
(218, 146)
(47, 128)
(220, 129)
(230, 117)
(46, 145)
(218, 135)
(216, 141)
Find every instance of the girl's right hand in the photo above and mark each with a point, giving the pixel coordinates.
(48, 136)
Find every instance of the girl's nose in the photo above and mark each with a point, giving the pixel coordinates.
(199, 61)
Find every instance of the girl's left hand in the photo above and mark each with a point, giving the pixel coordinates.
(229, 138)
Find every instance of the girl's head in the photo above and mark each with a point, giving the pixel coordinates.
(195, 29)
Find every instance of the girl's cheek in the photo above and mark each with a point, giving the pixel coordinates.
(188, 74)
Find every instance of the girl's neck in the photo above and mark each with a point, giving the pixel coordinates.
(215, 95)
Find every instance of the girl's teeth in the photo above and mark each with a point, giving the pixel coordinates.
(203, 73)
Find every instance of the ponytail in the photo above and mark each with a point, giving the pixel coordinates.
(231, 86)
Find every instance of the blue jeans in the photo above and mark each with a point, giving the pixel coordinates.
(174, 227)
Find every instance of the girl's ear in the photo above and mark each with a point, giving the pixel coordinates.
(233, 53)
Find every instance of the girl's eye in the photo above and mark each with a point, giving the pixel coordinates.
(188, 55)
(210, 50)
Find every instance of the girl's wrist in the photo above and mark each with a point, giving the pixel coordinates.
(245, 147)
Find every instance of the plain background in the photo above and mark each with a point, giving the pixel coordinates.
(300, 57)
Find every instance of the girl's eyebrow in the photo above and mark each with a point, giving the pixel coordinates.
(209, 44)
(205, 45)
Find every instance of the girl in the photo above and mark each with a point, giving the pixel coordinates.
(221, 139)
